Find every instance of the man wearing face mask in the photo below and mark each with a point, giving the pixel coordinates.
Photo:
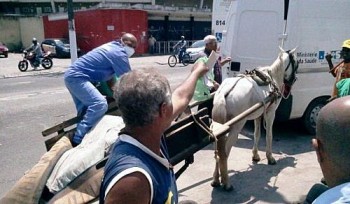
(103, 63)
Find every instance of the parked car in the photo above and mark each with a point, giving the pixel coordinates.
(195, 49)
(59, 47)
(4, 50)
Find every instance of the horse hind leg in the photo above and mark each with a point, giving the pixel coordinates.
(216, 175)
(257, 134)
(224, 149)
(271, 160)
(221, 167)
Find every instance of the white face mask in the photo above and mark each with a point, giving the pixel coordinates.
(129, 50)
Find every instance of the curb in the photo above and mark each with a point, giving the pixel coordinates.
(37, 73)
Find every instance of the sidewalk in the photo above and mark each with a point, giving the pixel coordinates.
(9, 69)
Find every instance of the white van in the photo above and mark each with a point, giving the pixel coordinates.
(254, 30)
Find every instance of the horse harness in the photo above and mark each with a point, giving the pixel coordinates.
(261, 79)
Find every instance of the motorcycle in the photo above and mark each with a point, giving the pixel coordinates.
(45, 61)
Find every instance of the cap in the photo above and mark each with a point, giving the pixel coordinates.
(346, 43)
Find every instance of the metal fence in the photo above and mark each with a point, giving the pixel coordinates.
(166, 47)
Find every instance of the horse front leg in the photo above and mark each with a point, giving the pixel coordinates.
(257, 134)
(269, 122)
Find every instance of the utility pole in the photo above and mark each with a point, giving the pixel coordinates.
(71, 30)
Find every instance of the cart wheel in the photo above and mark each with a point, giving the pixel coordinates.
(23, 65)
(186, 59)
(172, 60)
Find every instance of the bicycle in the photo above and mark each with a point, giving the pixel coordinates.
(173, 59)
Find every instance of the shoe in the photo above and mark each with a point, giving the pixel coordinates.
(74, 144)
(323, 181)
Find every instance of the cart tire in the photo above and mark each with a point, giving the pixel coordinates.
(186, 59)
(23, 66)
(172, 60)
(310, 116)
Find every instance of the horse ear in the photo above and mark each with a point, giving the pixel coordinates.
(293, 50)
(281, 49)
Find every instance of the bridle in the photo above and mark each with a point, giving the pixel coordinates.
(294, 66)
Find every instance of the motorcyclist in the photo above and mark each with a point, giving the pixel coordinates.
(182, 43)
(36, 49)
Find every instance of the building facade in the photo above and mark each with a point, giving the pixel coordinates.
(166, 20)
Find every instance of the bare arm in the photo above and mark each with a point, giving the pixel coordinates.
(183, 94)
(132, 189)
(224, 61)
(111, 82)
(176, 45)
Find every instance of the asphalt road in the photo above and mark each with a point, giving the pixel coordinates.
(35, 100)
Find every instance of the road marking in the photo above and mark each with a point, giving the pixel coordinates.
(23, 82)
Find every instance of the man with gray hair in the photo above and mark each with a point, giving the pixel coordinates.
(138, 169)
(202, 92)
(332, 145)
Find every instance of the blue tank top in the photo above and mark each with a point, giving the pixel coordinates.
(125, 156)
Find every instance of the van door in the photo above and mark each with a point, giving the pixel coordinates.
(256, 35)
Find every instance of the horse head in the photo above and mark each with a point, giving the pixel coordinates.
(290, 70)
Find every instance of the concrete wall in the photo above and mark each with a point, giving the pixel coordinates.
(17, 32)
(10, 33)
(30, 28)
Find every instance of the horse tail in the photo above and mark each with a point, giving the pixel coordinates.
(219, 104)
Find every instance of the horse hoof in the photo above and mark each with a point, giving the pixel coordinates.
(255, 159)
(215, 184)
(271, 162)
(228, 189)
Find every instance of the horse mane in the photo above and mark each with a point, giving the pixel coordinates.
(277, 63)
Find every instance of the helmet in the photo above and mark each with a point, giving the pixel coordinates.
(182, 37)
(346, 44)
(34, 40)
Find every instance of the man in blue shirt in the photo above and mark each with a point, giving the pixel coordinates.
(101, 64)
(332, 143)
(138, 169)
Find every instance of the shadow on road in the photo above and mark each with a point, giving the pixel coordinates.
(254, 183)
(288, 138)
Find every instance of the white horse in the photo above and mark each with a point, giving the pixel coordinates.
(237, 94)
